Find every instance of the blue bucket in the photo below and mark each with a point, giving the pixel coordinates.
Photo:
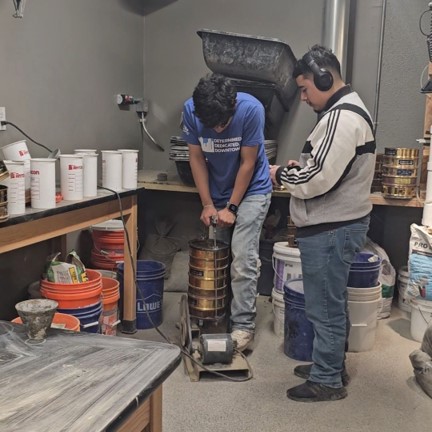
(298, 330)
(89, 317)
(150, 288)
(364, 271)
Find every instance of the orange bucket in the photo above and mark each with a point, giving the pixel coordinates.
(60, 320)
(75, 300)
(94, 280)
(110, 312)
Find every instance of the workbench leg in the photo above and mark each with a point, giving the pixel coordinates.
(129, 288)
(155, 424)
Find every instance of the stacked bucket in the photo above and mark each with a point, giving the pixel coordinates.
(110, 309)
(364, 301)
(298, 332)
(108, 245)
(286, 265)
(82, 300)
(404, 297)
(150, 287)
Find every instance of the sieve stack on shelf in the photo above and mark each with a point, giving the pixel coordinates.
(399, 172)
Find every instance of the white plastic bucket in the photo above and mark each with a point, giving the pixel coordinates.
(71, 177)
(85, 151)
(286, 265)
(112, 167)
(404, 296)
(364, 294)
(279, 312)
(16, 187)
(43, 189)
(363, 317)
(129, 168)
(90, 162)
(421, 317)
(18, 151)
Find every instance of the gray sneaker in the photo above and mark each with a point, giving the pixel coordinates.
(303, 371)
(242, 339)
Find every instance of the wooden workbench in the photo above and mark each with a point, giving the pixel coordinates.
(68, 216)
(148, 180)
(79, 382)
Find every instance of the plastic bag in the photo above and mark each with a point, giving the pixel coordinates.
(68, 272)
(387, 275)
(420, 262)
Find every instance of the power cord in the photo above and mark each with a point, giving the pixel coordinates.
(166, 338)
(4, 123)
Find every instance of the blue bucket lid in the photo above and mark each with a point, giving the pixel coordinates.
(295, 285)
(366, 258)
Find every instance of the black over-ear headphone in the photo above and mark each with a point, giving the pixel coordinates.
(323, 79)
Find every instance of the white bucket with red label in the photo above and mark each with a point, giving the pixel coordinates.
(71, 177)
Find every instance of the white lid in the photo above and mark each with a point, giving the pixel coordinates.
(111, 225)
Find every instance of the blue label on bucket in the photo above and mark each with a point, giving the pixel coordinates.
(149, 311)
(148, 306)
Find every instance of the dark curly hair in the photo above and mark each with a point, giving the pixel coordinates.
(323, 57)
(214, 99)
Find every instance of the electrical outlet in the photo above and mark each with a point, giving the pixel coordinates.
(2, 117)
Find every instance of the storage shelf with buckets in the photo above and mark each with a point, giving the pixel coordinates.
(400, 172)
(82, 300)
(150, 288)
(37, 316)
(108, 244)
(364, 301)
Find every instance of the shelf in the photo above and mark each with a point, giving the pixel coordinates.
(148, 180)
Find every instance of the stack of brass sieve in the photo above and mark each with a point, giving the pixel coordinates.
(399, 172)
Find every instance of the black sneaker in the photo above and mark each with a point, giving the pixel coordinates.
(315, 392)
(303, 371)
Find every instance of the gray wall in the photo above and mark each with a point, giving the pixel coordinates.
(61, 66)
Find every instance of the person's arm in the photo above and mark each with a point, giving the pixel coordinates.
(248, 157)
(200, 175)
(335, 139)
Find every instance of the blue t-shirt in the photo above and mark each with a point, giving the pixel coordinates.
(222, 150)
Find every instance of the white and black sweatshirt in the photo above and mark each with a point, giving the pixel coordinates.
(337, 163)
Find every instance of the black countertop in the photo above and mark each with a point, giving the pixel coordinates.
(65, 206)
(76, 382)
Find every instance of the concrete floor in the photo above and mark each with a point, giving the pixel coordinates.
(382, 396)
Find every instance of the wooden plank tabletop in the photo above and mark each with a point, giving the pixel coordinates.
(76, 382)
(148, 180)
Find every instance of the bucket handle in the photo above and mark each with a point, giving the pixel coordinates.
(90, 324)
(274, 268)
(114, 324)
(424, 319)
(412, 304)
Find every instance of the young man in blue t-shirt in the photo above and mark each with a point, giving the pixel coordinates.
(225, 134)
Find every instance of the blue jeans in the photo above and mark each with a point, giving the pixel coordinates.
(326, 259)
(245, 257)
